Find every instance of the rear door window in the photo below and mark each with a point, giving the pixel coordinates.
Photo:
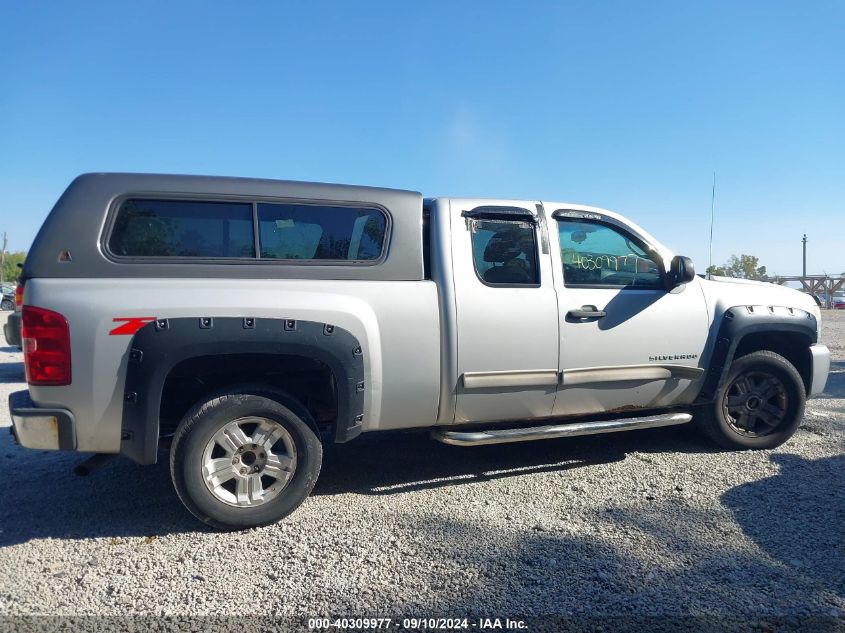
(504, 252)
(321, 232)
(182, 228)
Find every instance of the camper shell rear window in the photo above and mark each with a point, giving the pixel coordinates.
(297, 232)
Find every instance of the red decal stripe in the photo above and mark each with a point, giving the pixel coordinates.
(130, 325)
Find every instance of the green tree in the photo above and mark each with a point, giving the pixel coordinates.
(11, 272)
(742, 267)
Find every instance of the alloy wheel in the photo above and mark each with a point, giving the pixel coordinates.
(249, 461)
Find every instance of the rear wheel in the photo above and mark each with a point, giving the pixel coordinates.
(760, 405)
(245, 458)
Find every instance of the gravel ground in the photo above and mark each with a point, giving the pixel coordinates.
(649, 523)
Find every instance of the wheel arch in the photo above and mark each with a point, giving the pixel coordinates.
(793, 346)
(744, 329)
(233, 384)
(160, 346)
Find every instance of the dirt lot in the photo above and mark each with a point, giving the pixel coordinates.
(653, 523)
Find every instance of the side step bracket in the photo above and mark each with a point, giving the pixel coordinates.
(572, 429)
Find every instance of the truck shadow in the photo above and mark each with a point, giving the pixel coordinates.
(600, 573)
(11, 372)
(801, 520)
(410, 462)
(42, 498)
(674, 556)
(394, 463)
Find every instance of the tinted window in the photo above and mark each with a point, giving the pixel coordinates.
(182, 228)
(595, 254)
(320, 232)
(505, 252)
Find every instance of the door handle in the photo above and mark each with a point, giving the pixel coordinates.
(587, 312)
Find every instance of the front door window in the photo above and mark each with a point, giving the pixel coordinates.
(598, 255)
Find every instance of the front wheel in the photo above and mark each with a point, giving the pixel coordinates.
(245, 458)
(760, 405)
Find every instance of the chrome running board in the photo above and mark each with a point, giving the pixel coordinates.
(573, 429)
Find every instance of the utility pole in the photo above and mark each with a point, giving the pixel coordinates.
(3, 260)
(804, 242)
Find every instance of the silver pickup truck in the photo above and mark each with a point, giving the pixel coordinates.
(246, 322)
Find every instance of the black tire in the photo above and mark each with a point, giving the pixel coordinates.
(7, 304)
(738, 421)
(206, 419)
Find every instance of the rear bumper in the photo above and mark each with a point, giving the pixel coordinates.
(820, 366)
(41, 428)
(12, 329)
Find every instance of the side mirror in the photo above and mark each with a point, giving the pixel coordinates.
(681, 271)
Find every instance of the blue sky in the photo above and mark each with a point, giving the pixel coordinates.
(627, 105)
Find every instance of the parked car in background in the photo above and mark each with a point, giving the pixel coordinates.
(12, 327)
(838, 301)
(8, 300)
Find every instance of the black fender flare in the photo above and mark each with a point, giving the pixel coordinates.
(160, 345)
(738, 322)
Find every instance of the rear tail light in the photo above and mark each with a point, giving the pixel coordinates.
(19, 296)
(46, 347)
